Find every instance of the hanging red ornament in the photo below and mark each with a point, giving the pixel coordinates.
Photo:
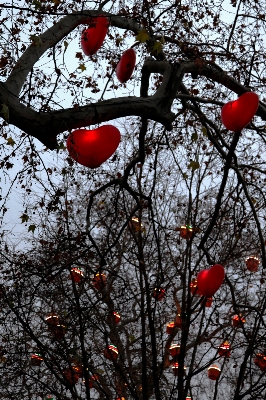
(252, 263)
(117, 317)
(76, 275)
(92, 38)
(214, 372)
(92, 147)
(224, 350)
(158, 294)
(36, 359)
(237, 114)
(175, 368)
(260, 361)
(111, 352)
(194, 287)
(174, 349)
(210, 280)
(99, 281)
(186, 231)
(126, 65)
(238, 320)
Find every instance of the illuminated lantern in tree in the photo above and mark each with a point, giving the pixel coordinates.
(170, 327)
(186, 231)
(260, 361)
(194, 287)
(76, 275)
(238, 320)
(55, 326)
(117, 317)
(70, 376)
(175, 368)
(36, 360)
(214, 372)
(78, 370)
(99, 281)
(174, 350)
(126, 65)
(49, 397)
(252, 263)
(210, 280)
(92, 147)
(224, 350)
(111, 352)
(136, 226)
(92, 38)
(208, 302)
(237, 114)
(159, 294)
(52, 320)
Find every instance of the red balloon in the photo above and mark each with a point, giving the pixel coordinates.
(92, 38)
(126, 65)
(92, 147)
(237, 114)
(210, 280)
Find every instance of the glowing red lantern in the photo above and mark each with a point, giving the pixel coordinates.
(55, 326)
(237, 114)
(174, 350)
(175, 368)
(252, 263)
(99, 281)
(78, 370)
(260, 361)
(52, 320)
(159, 294)
(170, 327)
(126, 65)
(186, 231)
(36, 360)
(76, 275)
(224, 350)
(92, 147)
(194, 287)
(136, 226)
(208, 302)
(92, 38)
(214, 372)
(117, 317)
(70, 376)
(210, 280)
(238, 320)
(111, 352)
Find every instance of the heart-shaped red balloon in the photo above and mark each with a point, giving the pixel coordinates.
(126, 65)
(210, 280)
(92, 38)
(92, 147)
(237, 114)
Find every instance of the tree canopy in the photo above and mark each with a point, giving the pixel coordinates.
(101, 301)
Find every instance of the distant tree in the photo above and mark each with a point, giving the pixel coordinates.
(176, 166)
